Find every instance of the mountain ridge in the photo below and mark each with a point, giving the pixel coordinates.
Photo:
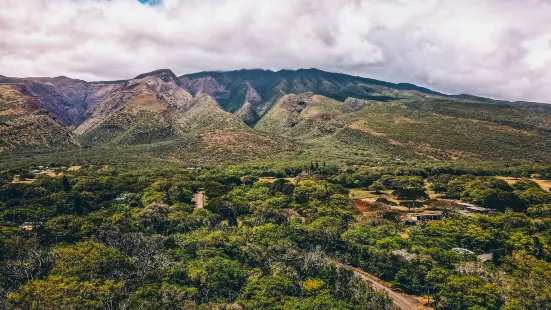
(265, 113)
(229, 88)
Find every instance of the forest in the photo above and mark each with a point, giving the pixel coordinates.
(269, 237)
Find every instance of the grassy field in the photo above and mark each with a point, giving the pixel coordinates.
(272, 180)
(356, 193)
(545, 184)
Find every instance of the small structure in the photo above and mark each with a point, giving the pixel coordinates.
(476, 209)
(427, 216)
(463, 251)
(423, 217)
(27, 226)
(485, 257)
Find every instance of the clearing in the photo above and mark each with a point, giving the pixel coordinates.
(545, 184)
(199, 199)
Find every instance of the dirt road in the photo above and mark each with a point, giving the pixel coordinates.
(199, 199)
(401, 301)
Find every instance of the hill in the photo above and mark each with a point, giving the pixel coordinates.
(346, 117)
(419, 127)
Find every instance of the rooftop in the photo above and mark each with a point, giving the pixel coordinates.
(463, 251)
(479, 208)
(428, 213)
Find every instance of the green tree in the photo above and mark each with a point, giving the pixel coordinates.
(88, 260)
(217, 277)
(60, 292)
(267, 292)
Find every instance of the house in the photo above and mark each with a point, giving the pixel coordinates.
(427, 216)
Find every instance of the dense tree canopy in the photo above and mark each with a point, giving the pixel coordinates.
(114, 238)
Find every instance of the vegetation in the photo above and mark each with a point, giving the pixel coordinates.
(98, 182)
(97, 237)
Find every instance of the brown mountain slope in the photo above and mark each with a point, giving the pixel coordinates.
(158, 117)
(24, 124)
(152, 107)
(151, 114)
(41, 112)
(65, 99)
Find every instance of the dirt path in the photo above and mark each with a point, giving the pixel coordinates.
(401, 301)
(199, 199)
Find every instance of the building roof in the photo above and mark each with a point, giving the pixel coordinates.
(463, 251)
(476, 208)
(427, 213)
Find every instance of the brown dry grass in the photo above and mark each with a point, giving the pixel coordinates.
(12, 101)
(272, 180)
(423, 303)
(402, 120)
(509, 129)
(174, 159)
(316, 99)
(146, 103)
(545, 184)
(50, 173)
(364, 128)
(230, 140)
(17, 111)
(17, 180)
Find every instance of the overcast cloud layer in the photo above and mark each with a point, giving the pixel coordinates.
(495, 48)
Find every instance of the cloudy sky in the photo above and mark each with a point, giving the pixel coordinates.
(495, 48)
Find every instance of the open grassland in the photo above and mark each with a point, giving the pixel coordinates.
(545, 184)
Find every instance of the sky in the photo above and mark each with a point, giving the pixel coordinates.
(494, 48)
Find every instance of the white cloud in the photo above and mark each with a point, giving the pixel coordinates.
(496, 48)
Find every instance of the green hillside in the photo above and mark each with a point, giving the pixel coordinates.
(419, 127)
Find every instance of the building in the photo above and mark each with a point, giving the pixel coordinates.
(423, 217)
(463, 251)
(427, 216)
(27, 226)
(476, 209)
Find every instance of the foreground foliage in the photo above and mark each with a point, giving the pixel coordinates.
(103, 237)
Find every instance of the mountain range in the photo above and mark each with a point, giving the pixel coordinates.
(254, 114)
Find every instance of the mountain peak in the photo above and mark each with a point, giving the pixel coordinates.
(164, 74)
